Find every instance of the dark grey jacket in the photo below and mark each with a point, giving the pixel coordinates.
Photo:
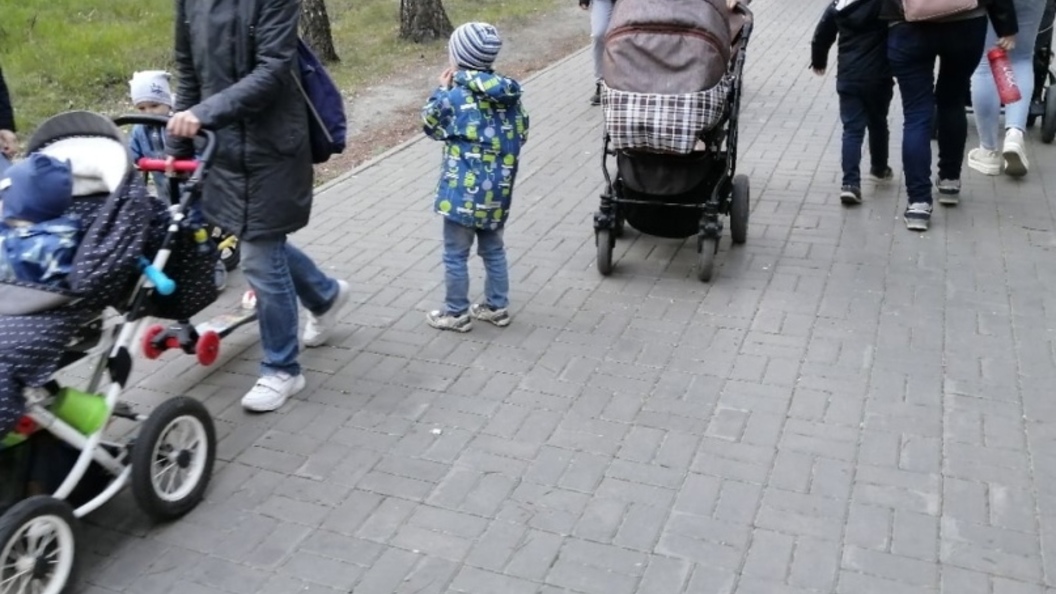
(235, 62)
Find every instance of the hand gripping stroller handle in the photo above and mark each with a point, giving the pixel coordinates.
(179, 166)
(205, 158)
(162, 283)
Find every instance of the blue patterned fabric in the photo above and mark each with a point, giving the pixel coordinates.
(483, 126)
(41, 253)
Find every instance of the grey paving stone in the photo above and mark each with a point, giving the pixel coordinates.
(846, 409)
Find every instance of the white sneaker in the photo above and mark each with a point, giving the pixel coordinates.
(1015, 153)
(271, 391)
(986, 161)
(318, 329)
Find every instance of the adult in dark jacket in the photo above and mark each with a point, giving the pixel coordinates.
(235, 62)
(8, 140)
(864, 83)
(912, 49)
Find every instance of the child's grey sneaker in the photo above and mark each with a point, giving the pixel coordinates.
(484, 313)
(918, 216)
(850, 195)
(441, 320)
(949, 192)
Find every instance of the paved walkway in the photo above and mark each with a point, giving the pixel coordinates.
(848, 408)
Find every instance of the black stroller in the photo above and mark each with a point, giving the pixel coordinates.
(671, 97)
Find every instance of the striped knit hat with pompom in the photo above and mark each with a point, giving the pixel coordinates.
(474, 46)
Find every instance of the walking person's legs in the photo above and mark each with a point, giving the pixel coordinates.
(1028, 14)
(854, 118)
(600, 13)
(959, 47)
(458, 240)
(492, 251)
(324, 297)
(878, 105)
(266, 268)
(912, 56)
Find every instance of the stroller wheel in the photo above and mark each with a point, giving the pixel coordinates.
(172, 460)
(38, 547)
(739, 203)
(604, 239)
(617, 231)
(1048, 121)
(706, 261)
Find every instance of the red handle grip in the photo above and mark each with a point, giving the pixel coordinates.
(182, 166)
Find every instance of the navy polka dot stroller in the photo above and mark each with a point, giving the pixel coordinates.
(132, 261)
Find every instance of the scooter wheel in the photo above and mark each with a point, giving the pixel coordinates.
(208, 348)
(149, 350)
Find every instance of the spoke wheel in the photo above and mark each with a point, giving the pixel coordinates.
(172, 459)
(38, 547)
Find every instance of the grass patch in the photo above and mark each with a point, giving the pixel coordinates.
(59, 55)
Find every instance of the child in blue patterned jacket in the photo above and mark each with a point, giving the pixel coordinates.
(479, 116)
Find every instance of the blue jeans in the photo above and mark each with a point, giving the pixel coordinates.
(280, 274)
(985, 102)
(912, 49)
(864, 107)
(458, 241)
(600, 13)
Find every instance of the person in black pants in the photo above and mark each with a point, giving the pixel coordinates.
(957, 42)
(864, 83)
(8, 140)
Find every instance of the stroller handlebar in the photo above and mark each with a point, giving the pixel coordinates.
(205, 158)
(158, 165)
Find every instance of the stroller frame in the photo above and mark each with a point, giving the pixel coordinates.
(728, 195)
(38, 533)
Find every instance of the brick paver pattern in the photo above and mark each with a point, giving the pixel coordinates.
(847, 408)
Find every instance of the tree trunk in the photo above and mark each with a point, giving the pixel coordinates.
(424, 20)
(315, 28)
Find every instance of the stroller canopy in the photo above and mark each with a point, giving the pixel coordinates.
(667, 47)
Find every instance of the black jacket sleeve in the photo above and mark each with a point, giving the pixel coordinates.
(7, 114)
(274, 51)
(1003, 17)
(188, 86)
(824, 36)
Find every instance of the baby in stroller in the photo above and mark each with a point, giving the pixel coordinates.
(671, 93)
(55, 462)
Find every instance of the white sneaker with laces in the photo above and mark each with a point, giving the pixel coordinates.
(1015, 153)
(319, 327)
(986, 161)
(272, 391)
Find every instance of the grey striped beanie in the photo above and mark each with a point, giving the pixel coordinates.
(474, 46)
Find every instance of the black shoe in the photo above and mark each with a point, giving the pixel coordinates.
(881, 174)
(595, 99)
(850, 195)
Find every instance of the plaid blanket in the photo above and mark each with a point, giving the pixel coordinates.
(662, 123)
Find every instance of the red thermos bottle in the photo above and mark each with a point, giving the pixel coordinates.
(1005, 78)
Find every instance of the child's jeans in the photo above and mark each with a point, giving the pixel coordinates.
(458, 241)
(864, 106)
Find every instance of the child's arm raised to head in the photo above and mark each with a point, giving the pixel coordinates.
(438, 116)
(824, 37)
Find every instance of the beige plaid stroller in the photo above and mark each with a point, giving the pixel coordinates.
(671, 97)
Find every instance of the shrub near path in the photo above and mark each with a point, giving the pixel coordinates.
(59, 55)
